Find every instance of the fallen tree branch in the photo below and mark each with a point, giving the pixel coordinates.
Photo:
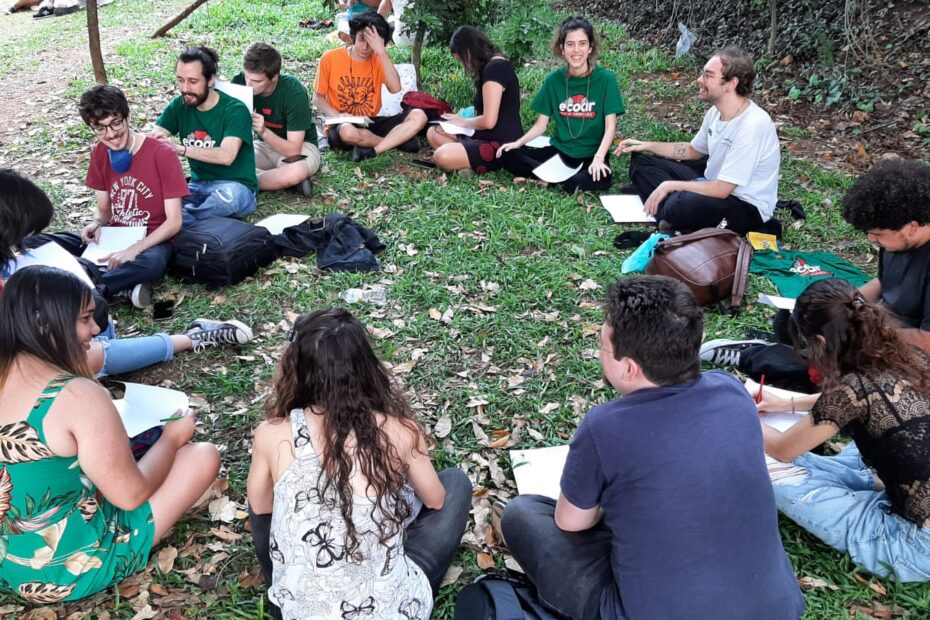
(177, 19)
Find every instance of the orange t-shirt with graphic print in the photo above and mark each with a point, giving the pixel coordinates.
(350, 86)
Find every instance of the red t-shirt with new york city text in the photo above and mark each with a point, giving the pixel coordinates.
(137, 196)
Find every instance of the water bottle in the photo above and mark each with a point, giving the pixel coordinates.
(373, 296)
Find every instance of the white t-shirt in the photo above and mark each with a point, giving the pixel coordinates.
(743, 151)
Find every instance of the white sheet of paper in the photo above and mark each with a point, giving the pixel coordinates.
(782, 303)
(540, 142)
(554, 170)
(278, 222)
(245, 94)
(455, 130)
(364, 121)
(782, 420)
(52, 255)
(626, 208)
(113, 239)
(539, 470)
(145, 406)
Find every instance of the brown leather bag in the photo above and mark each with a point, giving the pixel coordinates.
(713, 262)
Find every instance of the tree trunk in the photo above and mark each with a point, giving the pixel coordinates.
(93, 39)
(416, 55)
(773, 27)
(177, 19)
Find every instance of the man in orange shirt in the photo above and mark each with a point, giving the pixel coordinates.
(349, 81)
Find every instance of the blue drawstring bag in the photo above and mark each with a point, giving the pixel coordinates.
(640, 257)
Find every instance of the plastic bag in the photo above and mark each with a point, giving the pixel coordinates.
(641, 256)
(685, 41)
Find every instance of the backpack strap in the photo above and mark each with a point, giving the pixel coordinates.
(506, 604)
(741, 274)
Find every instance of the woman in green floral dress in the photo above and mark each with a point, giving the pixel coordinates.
(77, 513)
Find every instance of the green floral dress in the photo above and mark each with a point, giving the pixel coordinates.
(59, 538)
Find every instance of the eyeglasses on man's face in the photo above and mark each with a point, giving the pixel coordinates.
(116, 125)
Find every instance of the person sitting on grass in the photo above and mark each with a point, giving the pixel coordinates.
(728, 173)
(873, 499)
(496, 103)
(348, 82)
(665, 510)
(138, 181)
(585, 100)
(25, 210)
(77, 513)
(286, 154)
(215, 133)
(360, 524)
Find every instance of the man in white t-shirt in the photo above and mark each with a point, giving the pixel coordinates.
(728, 174)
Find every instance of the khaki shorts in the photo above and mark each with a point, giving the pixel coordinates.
(266, 158)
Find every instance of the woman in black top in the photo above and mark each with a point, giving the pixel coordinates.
(496, 103)
(873, 499)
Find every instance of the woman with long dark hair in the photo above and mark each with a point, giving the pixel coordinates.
(496, 103)
(360, 522)
(77, 512)
(873, 499)
(584, 99)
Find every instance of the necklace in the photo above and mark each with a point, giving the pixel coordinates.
(721, 125)
(587, 92)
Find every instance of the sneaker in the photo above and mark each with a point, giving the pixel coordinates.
(363, 152)
(43, 12)
(724, 352)
(304, 188)
(141, 295)
(759, 334)
(410, 146)
(205, 332)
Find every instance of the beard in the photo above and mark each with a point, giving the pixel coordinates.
(199, 98)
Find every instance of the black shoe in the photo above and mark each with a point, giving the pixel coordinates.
(363, 152)
(43, 12)
(67, 10)
(759, 334)
(304, 188)
(410, 146)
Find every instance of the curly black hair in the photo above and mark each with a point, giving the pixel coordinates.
(889, 196)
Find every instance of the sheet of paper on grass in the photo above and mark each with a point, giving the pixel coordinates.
(455, 130)
(539, 142)
(364, 121)
(554, 170)
(52, 255)
(539, 470)
(113, 239)
(780, 421)
(145, 406)
(245, 94)
(782, 303)
(626, 208)
(278, 222)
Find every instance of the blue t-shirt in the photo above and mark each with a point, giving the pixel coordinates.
(680, 474)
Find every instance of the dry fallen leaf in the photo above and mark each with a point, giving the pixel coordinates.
(809, 583)
(443, 427)
(485, 561)
(166, 558)
(452, 575)
(878, 589)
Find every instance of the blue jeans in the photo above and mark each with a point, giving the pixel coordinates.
(217, 199)
(835, 499)
(148, 266)
(571, 570)
(122, 355)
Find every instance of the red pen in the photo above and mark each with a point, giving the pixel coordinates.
(761, 384)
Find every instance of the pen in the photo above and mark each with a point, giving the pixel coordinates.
(761, 384)
(178, 417)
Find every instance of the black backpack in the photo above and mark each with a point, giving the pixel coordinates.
(220, 251)
(494, 597)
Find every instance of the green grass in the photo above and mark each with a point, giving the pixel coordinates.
(508, 261)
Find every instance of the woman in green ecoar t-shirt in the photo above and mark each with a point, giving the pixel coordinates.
(584, 99)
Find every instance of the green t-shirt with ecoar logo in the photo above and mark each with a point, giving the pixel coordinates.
(197, 129)
(579, 106)
(286, 109)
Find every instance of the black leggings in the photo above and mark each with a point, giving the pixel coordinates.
(522, 161)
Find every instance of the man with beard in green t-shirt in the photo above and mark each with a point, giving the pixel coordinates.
(286, 153)
(215, 133)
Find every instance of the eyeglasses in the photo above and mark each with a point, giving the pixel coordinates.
(117, 125)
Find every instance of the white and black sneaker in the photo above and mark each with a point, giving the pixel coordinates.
(204, 333)
(725, 352)
(140, 295)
